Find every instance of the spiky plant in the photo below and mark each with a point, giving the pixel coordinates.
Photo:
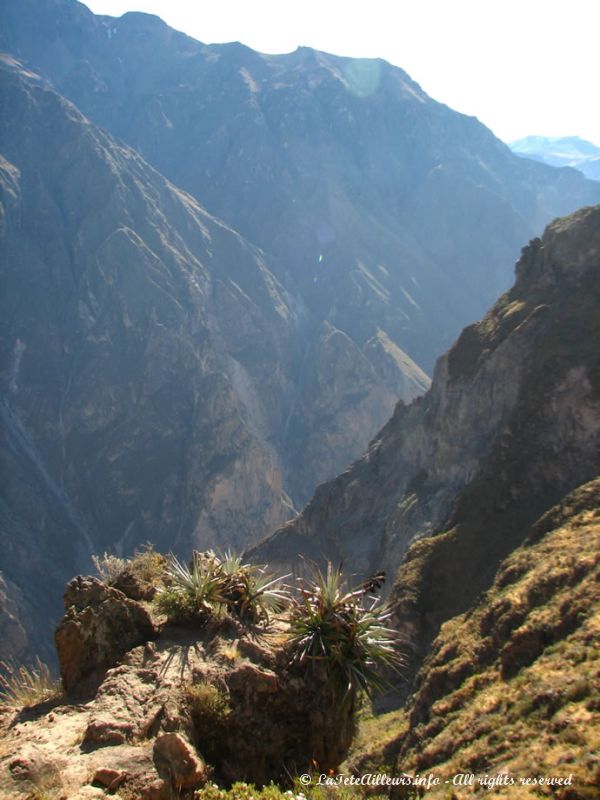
(345, 632)
(194, 591)
(214, 584)
(254, 595)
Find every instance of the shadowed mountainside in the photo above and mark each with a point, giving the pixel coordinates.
(391, 219)
(122, 410)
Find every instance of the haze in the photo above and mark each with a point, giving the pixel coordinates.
(521, 66)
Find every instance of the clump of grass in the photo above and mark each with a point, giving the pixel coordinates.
(243, 791)
(23, 686)
(247, 791)
(212, 586)
(208, 704)
(345, 631)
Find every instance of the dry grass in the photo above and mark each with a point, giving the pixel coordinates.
(23, 686)
(513, 686)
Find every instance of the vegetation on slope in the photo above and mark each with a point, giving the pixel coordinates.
(513, 685)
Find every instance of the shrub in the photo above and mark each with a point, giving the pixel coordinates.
(146, 565)
(109, 567)
(345, 632)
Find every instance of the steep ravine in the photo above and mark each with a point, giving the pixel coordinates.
(510, 424)
(385, 215)
(124, 421)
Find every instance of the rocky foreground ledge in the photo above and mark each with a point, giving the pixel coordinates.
(144, 697)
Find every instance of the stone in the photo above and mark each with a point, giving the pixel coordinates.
(111, 778)
(176, 759)
(100, 626)
(102, 733)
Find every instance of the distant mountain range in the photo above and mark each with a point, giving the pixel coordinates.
(561, 151)
(221, 270)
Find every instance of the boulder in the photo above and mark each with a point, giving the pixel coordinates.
(176, 760)
(100, 626)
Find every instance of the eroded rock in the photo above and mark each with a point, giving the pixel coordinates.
(100, 626)
(177, 761)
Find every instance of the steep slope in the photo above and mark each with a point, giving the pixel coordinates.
(511, 423)
(124, 413)
(512, 686)
(561, 151)
(393, 218)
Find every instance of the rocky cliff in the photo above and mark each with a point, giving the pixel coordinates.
(390, 219)
(510, 424)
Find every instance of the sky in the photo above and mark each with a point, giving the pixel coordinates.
(522, 67)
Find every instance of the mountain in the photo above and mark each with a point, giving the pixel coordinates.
(510, 425)
(561, 151)
(489, 483)
(125, 400)
(389, 218)
(188, 376)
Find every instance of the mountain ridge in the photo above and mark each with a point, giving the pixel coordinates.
(510, 424)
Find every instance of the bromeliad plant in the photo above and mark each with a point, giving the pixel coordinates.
(191, 592)
(345, 632)
(213, 585)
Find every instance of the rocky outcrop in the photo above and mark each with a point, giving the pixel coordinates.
(511, 423)
(217, 699)
(100, 626)
(512, 686)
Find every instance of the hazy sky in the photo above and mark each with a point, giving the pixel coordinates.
(520, 66)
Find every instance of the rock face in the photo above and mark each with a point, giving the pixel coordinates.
(218, 699)
(122, 411)
(100, 626)
(511, 423)
(514, 682)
